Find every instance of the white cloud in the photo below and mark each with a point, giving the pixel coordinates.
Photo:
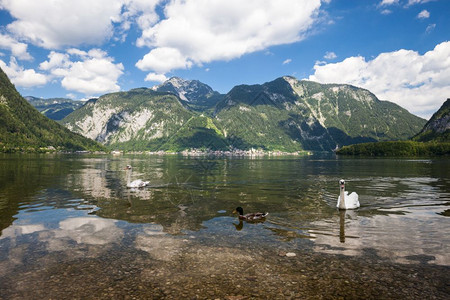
(71, 96)
(90, 73)
(22, 77)
(389, 2)
(430, 28)
(18, 50)
(330, 55)
(385, 3)
(424, 14)
(56, 24)
(163, 59)
(52, 25)
(417, 82)
(55, 61)
(201, 31)
(77, 52)
(407, 3)
(287, 61)
(156, 77)
(192, 32)
(413, 2)
(140, 11)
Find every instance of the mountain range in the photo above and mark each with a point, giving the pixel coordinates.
(286, 114)
(22, 127)
(54, 108)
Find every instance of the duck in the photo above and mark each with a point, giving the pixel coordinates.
(346, 201)
(138, 183)
(251, 217)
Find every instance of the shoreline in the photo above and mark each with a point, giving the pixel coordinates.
(192, 152)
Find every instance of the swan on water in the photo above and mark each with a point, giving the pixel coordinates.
(138, 183)
(346, 201)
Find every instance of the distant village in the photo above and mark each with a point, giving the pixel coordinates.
(232, 153)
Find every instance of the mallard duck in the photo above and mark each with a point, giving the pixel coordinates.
(251, 217)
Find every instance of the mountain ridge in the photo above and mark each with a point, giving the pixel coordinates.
(432, 140)
(438, 127)
(285, 114)
(318, 116)
(119, 117)
(54, 108)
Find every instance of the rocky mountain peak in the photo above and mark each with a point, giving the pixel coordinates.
(187, 90)
(180, 84)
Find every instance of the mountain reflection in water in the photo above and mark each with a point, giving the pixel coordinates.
(61, 208)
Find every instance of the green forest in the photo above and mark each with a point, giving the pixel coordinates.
(397, 148)
(23, 128)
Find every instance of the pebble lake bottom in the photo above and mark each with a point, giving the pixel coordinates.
(206, 272)
(70, 229)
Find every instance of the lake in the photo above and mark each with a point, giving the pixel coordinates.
(71, 229)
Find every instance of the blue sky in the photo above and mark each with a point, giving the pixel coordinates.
(397, 49)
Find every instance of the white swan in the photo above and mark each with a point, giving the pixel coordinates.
(346, 201)
(138, 183)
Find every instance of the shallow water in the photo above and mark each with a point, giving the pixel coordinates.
(70, 228)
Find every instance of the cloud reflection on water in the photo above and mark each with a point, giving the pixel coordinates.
(78, 214)
(393, 237)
